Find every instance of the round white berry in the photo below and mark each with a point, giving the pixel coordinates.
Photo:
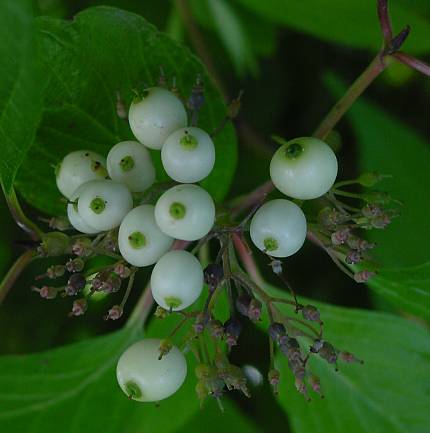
(129, 162)
(155, 116)
(278, 228)
(185, 212)
(144, 377)
(74, 218)
(188, 155)
(103, 204)
(140, 240)
(78, 168)
(304, 168)
(177, 280)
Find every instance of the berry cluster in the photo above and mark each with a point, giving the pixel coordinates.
(123, 214)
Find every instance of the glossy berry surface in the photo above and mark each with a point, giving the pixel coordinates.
(104, 203)
(78, 168)
(140, 240)
(129, 162)
(278, 228)
(185, 212)
(73, 215)
(188, 155)
(177, 280)
(304, 168)
(143, 377)
(155, 116)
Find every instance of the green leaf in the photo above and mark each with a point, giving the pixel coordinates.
(388, 146)
(388, 393)
(20, 86)
(87, 61)
(74, 388)
(38, 390)
(245, 36)
(407, 289)
(233, 36)
(212, 420)
(352, 23)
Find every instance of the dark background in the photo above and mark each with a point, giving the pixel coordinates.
(284, 93)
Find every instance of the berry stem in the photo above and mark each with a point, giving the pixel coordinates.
(412, 62)
(129, 287)
(145, 303)
(254, 197)
(247, 260)
(20, 218)
(317, 241)
(303, 323)
(178, 326)
(376, 66)
(14, 272)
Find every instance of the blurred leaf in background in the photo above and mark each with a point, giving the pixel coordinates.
(389, 146)
(351, 23)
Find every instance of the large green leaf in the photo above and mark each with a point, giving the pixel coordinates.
(353, 23)
(74, 389)
(388, 393)
(20, 86)
(87, 61)
(406, 289)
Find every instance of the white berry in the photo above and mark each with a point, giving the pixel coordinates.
(144, 377)
(304, 168)
(78, 168)
(140, 240)
(278, 228)
(177, 280)
(129, 162)
(75, 219)
(155, 116)
(185, 212)
(104, 203)
(188, 155)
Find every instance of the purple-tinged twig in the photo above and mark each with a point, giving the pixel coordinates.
(385, 21)
(412, 62)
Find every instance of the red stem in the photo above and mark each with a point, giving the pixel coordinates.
(412, 62)
(385, 21)
(254, 197)
(246, 256)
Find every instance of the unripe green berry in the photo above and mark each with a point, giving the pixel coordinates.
(278, 228)
(188, 155)
(303, 168)
(129, 162)
(140, 240)
(177, 280)
(144, 377)
(155, 116)
(78, 168)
